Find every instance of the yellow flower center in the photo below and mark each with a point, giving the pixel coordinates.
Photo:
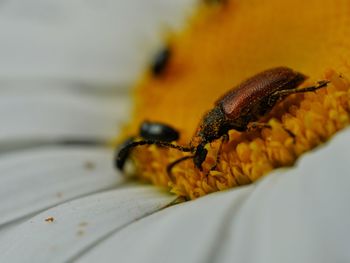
(222, 46)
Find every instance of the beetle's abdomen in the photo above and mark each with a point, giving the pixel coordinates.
(249, 95)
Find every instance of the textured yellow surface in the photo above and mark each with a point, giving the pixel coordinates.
(223, 45)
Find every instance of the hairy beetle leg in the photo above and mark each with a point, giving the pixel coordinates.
(174, 163)
(224, 139)
(257, 125)
(283, 93)
(260, 125)
(290, 133)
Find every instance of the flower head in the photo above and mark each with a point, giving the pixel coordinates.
(204, 65)
(63, 201)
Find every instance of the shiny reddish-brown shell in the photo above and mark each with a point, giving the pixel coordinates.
(258, 88)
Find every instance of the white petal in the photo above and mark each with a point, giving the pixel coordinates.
(96, 41)
(33, 180)
(43, 117)
(185, 233)
(79, 224)
(296, 215)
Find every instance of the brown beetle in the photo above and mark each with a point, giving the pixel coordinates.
(238, 109)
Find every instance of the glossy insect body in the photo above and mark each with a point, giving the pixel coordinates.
(158, 131)
(256, 96)
(154, 131)
(238, 108)
(247, 103)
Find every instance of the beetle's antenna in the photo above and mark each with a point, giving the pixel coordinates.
(158, 143)
(171, 166)
(125, 150)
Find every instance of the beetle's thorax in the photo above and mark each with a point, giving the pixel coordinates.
(211, 126)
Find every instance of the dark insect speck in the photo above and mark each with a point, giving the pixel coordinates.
(161, 61)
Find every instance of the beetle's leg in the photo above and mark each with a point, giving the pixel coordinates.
(176, 162)
(224, 139)
(290, 133)
(259, 125)
(283, 93)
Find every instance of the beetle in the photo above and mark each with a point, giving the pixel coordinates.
(155, 131)
(158, 131)
(239, 109)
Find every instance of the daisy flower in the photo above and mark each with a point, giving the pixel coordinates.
(66, 72)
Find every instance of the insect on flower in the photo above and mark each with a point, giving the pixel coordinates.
(161, 61)
(239, 109)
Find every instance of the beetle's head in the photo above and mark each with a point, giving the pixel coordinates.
(199, 156)
(210, 129)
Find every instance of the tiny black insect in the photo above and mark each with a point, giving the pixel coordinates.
(160, 62)
(158, 131)
(238, 109)
(154, 131)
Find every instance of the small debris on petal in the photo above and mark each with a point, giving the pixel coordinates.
(89, 165)
(50, 219)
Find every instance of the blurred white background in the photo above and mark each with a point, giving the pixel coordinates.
(66, 66)
(86, 42)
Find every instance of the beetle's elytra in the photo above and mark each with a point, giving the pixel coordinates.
(236, 110)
